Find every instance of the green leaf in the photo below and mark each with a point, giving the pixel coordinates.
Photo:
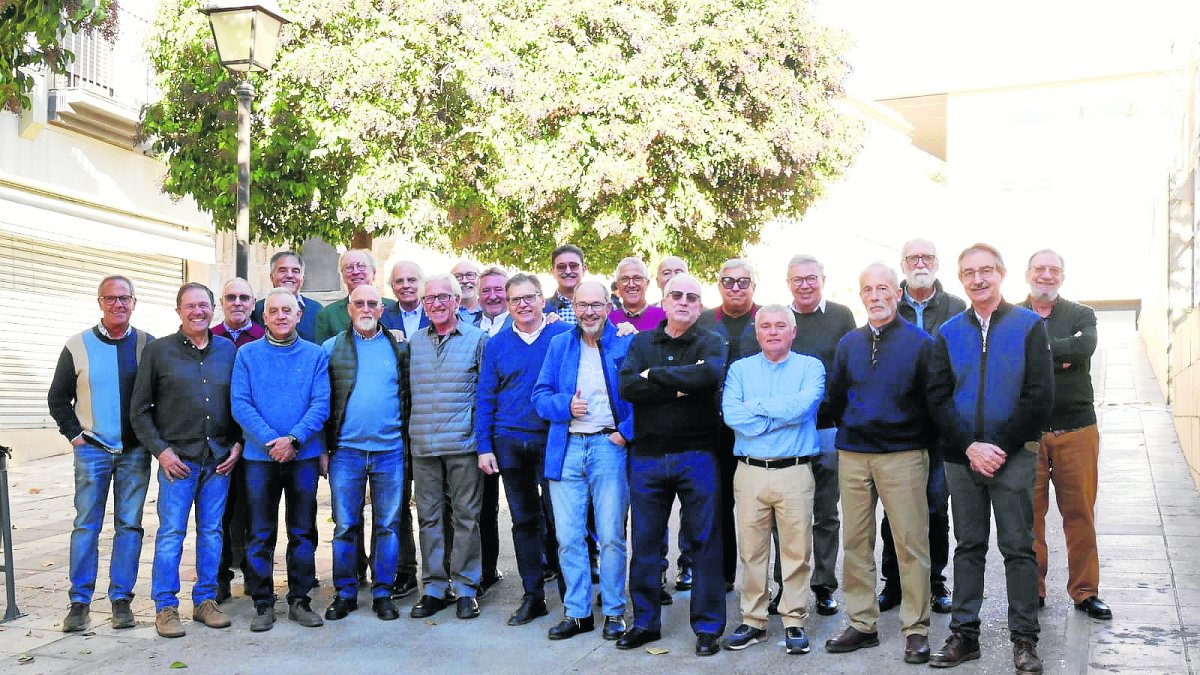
(177, 665)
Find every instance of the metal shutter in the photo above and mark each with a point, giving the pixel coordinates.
(47, 294)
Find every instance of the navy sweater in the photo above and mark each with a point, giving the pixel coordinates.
(504, 398)
(881, 407)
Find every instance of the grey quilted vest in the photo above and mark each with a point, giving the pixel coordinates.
(443, 381)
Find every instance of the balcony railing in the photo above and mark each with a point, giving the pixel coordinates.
(117, 70)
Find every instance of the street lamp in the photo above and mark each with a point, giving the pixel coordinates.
(246, 37)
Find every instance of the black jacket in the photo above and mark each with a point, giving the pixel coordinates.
(941, 306)
(1072, 330)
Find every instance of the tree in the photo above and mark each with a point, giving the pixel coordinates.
(31, 33)
(505, 126)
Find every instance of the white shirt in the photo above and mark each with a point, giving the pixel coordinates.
(593, 390)
(493, 326)
(411, 319)
(820, 307)
(531, 337)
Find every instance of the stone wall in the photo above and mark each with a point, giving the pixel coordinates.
(1185, 389)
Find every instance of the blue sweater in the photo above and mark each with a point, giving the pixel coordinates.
(772, 407)
(372, 421)
(504, 399)
(882, 407)
(281, 391)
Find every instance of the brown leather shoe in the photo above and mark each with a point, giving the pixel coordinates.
(1025, 657)
(850, 640)
(958, 648)
(916, 649)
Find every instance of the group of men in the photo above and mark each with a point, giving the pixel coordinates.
(760, 420)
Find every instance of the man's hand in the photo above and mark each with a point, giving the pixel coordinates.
(78, 441)
(171, 465)
(617, 438)
(553, 317)
(579, 406)
(986, 459)
(323, 464)
(235, 453)
(487, 463)
(625, 328)
(281, 449)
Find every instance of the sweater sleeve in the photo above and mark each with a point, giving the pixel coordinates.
(241, 394)
(1032, 412)
(551, 404)
(485, 401)
(318, 405)
(1081, 343)
(141, 404)
(61, 396)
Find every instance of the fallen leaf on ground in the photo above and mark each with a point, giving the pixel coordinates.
(25, 658)
(34, 491)
(177, 665)
(657, 651)
(47, 564)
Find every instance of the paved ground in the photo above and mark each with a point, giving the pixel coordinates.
(1150, 561)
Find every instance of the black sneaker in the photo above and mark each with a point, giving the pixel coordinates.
(122, 614)
(743, 636)
(264, 618)
(78, 618)
(795, 641)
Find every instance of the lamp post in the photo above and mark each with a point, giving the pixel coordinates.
(246, 35)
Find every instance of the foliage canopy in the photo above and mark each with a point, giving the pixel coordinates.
(31, 33)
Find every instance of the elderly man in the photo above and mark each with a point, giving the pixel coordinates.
(631, 283)
(590, 425)
(1069, 452)
(925, 303)
(770, 401)
(667, 268)
(368, 377)
(877, 391)
(671, 376)
(180, 410)
(237, 307)
(467, 275)
(284, 452)
(494, 301)
(820, 323)
(89, 401)
(991, 389)
(358, 269)
(568, 267)
(287, 271)
(446, 356)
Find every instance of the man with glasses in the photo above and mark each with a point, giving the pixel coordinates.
(182, 414)
(358, 269)
(671, 376)
(511, 437)
(568, 267)
(631, 287)
(237, 307)
(1069, 453)
(446, 359)
(89, 401)
(667, 268)
(925, 303)
(991, 387)
(820, 323)
(467, 275)
(287, 271)
(368, 376)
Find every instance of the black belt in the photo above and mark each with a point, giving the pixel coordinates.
(775, 463)
(607, 431)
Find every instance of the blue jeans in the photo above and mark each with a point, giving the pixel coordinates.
(522, 468)
(349, 470)
(654, 481)
(593, 466)
(129, 474)
(207, 489)
(296, 481)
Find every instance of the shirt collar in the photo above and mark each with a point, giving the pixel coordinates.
(919, 303)
(820, 307)
(531, 335)
(104, 331)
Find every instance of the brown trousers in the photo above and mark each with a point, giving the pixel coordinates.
(1070, 461)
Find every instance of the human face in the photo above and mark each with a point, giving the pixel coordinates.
(631, 285)
(406, 285)
(195, 312)
(919, 263)
(491, 295)
(568, 269)
(774, 334)
(669, 267)
(592, 306)
(526, 305)
(736, 300)
(237, 301)
(880, 294)
(441, 310)
(365, 308)
(1045, 276)
(117, 303)
(287, 273)
(357, 270)
(981, 278)
(805, 282)
(682, 304)
(281, 316)
(467, 275)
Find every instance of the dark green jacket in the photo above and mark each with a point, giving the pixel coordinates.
(343, 366)
(1072, 330)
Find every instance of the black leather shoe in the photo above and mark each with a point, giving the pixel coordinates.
(707, 644)
(636, 637)
(1025, 657)
(405, 585)
(1041, 602)
(773, 605)
(683, 580)
(889, 599)
(340, 607)
(531, 608)
(468, 608)
(826, 605)
(939, 599)
(489, 581)
(1095, 608)
(958, 649)
(851, 640)
(385, 609)
(427, 606)
(569, 628)
(916, 649)
(614, 627)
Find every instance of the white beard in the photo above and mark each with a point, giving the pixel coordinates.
(922, 281)
(365, 325)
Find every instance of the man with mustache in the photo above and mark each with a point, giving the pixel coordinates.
(467, 275)
(991, 389)
(358, 268)
(568, 267)
(287, 271)
(494, 301)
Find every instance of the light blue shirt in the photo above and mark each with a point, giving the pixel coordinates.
(772, 407)
(918, 307)
(372, 420)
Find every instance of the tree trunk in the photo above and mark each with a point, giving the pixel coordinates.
(362, 239)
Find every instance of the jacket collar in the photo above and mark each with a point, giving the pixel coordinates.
(1004, 308)
(689, 335)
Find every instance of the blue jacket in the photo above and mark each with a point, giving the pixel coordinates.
(556, 386)
(306, 327)
(1000, 391)
(503, 401)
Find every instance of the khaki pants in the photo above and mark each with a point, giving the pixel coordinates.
(898, 478)
(783, 497)
(1070, 461)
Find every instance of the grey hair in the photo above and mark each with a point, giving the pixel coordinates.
(740, 263)
(634, 260)
(778, 308)
(803, 259)
(455, 288)
(1061, 263)
(282, 292)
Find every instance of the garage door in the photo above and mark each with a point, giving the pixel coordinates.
(47, 294)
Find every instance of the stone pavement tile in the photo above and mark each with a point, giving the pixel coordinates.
(1139, 580)
(1189, 601)
(40, 665)
(17, 640)
(1186, 581)
(1129, 527)
(1122, 630)
(1133, 553)
(1107, 541)
(1123, 597)
(1125, 657)
(1165, 614)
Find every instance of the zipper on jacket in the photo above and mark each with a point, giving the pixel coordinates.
(983, 359)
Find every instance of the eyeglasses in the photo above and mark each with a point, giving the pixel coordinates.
(372, 304)
(350, 267)
(111, 300)
(928, 259)
(238, 297)
(971, 273)
(518, 300)
(568, 267)
(678, 296)
(1043, 269)
(597, 307)
(810, 280)
(740, 282)
(636, 279)
(440, 297)
(466, 276)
